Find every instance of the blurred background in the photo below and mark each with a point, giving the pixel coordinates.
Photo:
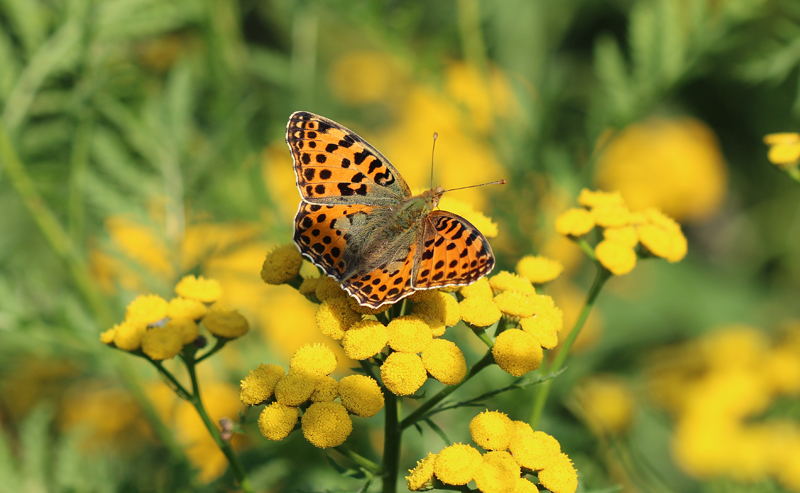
(142, 140)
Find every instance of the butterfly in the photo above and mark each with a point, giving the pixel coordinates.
(359, 222)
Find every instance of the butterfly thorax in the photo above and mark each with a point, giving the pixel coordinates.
(413, 209)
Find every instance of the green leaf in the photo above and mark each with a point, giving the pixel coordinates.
(28, 20)
(615, 85)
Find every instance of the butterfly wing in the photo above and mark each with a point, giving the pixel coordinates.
(451, 252)
(333, 165)
(389, 283)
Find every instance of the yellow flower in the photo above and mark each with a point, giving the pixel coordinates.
(226, 324)
(508, 281)
(533, 450)
(485, 96)
(574, 222)
(281, 265)
(479, 289)
(128, 335)
(457, 464)
(544, 326)
(146, 308)
(349, 84)
(276, 421)
(479, 312)
(294, 389)
(161, 343)
(444, 361)
(616, 257)
(538, 269)
(484, 224)
(625, 235)
(316, 359)
(107, 337)
(334, 316)
(591, 199)
(514, 304)
(361, 395)
(606, 404)
(782, 371)
(525, 486)
(326, 424)
(185, 327)
(422, 475)
(409, 334)
(784, 149)
(327, 289)
(517, 352)
(199, 288)
(309, 286)
(611, 216)
(403, 373)
(326, 390)
(662, 236)
(439, 306)
(492, 430)
(559, 476)
(259, 384)
(674, 164)
(186, 308)
(365, 339)
(497, 473)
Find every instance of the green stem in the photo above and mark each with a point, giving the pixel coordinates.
(179, 389)
(794, 173)
(391, 444)
(224, 445)
(543, 390)
(358, 459)
(219, 345)
(469, 26)
(412, 418)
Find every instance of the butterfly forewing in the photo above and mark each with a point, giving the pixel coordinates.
(452, 252)
(333, 165)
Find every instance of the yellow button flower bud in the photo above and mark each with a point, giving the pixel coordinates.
(492, 430)
(294, 389)
(514, 304)
(498, 473)
(439, 306)
(662, 236)
(403, 373)
(478, 289)
(226, 324)
(574, 222)
(326, 424)
(536, 450)
(422, 475)
(314, 359)
(276, 421)
(281, 264)
(625, 235)
(508, 281)
(544, 326)
(611, 216)
(334, 316)
(538, 269)
(326, 390)
(590, 199)
(186, 327)
(784, 149)
(146, 308)
(199, 288)
(517, 352)
(365, 339)
(107, 337)
(186, 308)
(259, 384)
(128, 335)
(616, 257)
(327, 289)
(161, 343)
(523, 485)
(559, 476)
(309, 286)
(444, 361)
(480, 312)
(457, 464)
(361, 395)
(409, 334)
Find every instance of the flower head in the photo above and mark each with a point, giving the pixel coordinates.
(480, 312)
(617, 257)
(128, 335)
(517, 352)
(574, 222)
(309, 286)
(326, 424)
(365, 339)
(590, 199)
(259, 384)
(508, 281)
(107, 337)
(457, 464)
(492, 430)
(784, 149)
(559, 476)
(294, 389)
(625, 235)
(403, 373)
(444, 361)
(534, 450)
(334, 316)
(186, 308)
(361, 395)
(409, 334)
(327, 288)
(276, 421)
(606, 405)
(611, 216)
(146, 308)
(199, 288)
(326, 390)
(281, 264)
(439, 306)
(226, 324)
(538, 269)
(662, 236)
(185, 327)
(515, 304)
(422, 475)
(478, 289)
(316, 359)
(497, 473)
(162, 342)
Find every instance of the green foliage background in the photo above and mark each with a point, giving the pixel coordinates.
(90, 129)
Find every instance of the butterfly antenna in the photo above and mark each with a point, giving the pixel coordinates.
(433, 148)
(498, 182)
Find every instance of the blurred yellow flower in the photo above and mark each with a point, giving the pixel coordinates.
(147, 309)
(128, 335)
(784, 149)
(162, 342)
(605, 403)
(538, 269)
(199, 288)
(574, 222)
(361, 77)
(617, 257)
(673, 164)
(281, 265)
(186, 308)
(226, 324)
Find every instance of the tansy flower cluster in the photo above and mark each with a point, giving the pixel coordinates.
(784, 149)
(715, 388)
(159, 329)
(513, 451)
(326, 404)
(626, 235)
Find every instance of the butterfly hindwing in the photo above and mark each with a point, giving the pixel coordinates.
(386, 284)
(333, 165)
(452, 252)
